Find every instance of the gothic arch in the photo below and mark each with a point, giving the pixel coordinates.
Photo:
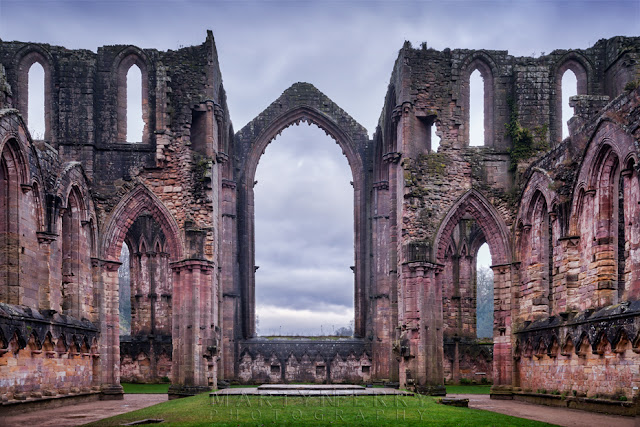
(302, 102)
(608, 136)
(25, 58)
(139, 200)
(73, 179)
(583, 70)
(13, 131)
(128, 57)
(484, 63)
(488, 219)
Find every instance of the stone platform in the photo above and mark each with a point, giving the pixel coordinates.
(310, 390)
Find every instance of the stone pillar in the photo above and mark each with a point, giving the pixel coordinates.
(422, 358)
(503, 295)
(46, 302)
(381, 307)
(193, 328)
(570, 268)
(105, 279)
(229, 280)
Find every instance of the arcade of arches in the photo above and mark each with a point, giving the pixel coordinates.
(561, 218)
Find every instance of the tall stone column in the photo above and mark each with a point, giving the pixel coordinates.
(105, 279)
(381, 306)
(229, 280)
(502, 345)
(193, 328)
(422, 354)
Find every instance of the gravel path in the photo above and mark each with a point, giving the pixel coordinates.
(548, 414)
(75, 415)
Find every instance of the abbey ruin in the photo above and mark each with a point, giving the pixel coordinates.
(561, 218)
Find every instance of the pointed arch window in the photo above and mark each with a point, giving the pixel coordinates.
(478, 100)
(36, 123)
(133, 100)
(571, 79)
(476, 110)
(34, 94)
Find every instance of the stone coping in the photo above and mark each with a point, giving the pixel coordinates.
(326, 390)
(310, 387)
(605, 406)
(15, 406)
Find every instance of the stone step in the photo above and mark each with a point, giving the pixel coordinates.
(310, 387)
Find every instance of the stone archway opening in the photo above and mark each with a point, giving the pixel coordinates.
(304, 237)
(471, 224)
(246, 355)
(145, 306)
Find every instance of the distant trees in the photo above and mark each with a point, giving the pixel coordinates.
(344, 331)
(484, 301)
(125, 292)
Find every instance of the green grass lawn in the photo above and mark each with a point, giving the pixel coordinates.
(468, 389)
(145, 388)
(203, 410)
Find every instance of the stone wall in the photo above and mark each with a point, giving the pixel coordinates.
(293, 360)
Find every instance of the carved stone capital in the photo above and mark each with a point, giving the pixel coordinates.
(393, 157)
(381, 185)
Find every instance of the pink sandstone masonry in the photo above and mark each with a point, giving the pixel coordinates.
(561, 218)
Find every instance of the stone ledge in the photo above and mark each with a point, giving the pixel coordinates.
(605, 406)
(12, 407)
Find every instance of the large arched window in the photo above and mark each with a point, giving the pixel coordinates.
(571, 79)
(34, 93)
(133, 100)
(476, 110)
(569, 89)
(304, 236)
(36, 113)
(478, 98)
(135, 123)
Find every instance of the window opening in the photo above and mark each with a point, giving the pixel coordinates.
(304, 236)
(476, 109)
(135, 122)
(435, 139)
(569, 89)
(484, 285)
(124, 282)
(35, 102)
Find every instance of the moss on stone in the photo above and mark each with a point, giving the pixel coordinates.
(526, 143)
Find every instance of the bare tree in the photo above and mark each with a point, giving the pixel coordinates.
(484, 319)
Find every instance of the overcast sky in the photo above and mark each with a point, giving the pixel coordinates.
(347, 50)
